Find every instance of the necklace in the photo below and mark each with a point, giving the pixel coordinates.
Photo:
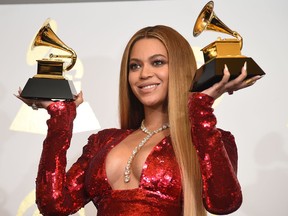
(127, 171)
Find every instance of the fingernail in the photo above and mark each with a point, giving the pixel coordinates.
(245, 65)
(258, 77)
(225, 67)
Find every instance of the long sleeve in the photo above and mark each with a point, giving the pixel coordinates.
(57, 192)
(217, 154)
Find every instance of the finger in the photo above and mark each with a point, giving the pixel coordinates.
(252, 80)
(79, 96)
(244, 70)
(237, 83)
(224, 80)
(19, 90)
(20, 98)
(226, 76)
(28, 102)
(17, 96)
(79, 99)
(239, 79)
(249, 82)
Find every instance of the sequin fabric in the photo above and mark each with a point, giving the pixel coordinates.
(217, 154)
(160, 191)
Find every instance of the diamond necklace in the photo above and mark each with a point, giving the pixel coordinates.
(127, 171)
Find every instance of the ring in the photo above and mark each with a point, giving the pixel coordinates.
(249, 82)
(34, 106)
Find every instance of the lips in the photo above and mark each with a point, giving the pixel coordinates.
(148, 86)
(144, 85)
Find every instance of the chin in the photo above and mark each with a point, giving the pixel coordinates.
(153, 104)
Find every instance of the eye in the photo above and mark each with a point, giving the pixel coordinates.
(158, 62)
(134, 66)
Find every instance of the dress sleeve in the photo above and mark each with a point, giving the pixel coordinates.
(59, 192)
(217, 154)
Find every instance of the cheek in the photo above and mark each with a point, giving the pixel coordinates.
(165, 77)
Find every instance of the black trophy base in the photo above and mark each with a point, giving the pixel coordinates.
(212, 72)
(47, 89)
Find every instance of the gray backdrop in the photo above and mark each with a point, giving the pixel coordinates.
(98, 32)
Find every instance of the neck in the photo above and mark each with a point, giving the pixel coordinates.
(155, 118)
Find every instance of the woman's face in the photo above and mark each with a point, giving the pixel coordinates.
(148, 72)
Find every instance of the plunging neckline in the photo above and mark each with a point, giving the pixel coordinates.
(144, 167)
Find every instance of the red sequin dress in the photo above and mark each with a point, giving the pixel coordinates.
(160, 191)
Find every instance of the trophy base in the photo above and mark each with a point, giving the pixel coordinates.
(212, 71)
(47, 89)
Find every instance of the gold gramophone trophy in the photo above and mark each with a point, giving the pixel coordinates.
(220, 52)
(49, 82)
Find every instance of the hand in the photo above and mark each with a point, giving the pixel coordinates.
(79, 99)
(230, 86)
(35, 104)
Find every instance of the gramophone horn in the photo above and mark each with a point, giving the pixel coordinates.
(207, 20)
(47, 37)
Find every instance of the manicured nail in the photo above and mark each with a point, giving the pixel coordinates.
(225, 67)
(258, 77)
(245, 65)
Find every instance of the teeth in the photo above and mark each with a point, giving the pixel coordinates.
(149, 86)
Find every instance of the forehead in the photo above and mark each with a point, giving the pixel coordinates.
(148, 46)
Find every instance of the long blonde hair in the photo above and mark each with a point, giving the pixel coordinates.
(182, 67)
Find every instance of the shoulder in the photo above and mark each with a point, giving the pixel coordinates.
(103, 138)
(228, 137)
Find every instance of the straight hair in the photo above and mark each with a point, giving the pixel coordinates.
(182, 67)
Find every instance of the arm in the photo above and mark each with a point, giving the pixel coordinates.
(57, 192)
(221, 190)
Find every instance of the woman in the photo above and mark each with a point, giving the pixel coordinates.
(168, 158)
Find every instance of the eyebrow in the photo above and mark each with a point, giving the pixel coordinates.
(151, 57)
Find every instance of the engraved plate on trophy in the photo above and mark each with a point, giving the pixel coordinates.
(49, 82)
(220, 52)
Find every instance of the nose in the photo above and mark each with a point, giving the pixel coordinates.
(146, 72)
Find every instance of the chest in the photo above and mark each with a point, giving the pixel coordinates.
(158, 170)
(129, 158)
